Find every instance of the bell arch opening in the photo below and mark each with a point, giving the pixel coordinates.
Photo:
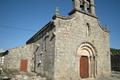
(87, 60)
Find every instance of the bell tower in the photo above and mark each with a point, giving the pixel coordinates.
(86, 6)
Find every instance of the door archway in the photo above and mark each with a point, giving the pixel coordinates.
(87, 60)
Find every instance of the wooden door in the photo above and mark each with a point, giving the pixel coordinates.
(23, 65)
(84, 67)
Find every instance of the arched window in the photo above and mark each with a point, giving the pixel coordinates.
(81, 5)
(88, 31)
(88, 5)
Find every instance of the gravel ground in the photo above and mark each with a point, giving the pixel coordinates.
(115, 76)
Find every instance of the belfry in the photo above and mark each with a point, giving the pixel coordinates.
(86, 6)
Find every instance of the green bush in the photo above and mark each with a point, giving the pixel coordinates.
(115, 51)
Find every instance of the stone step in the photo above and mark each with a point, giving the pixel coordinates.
(89, 79)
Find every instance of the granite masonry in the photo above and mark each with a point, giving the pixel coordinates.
(20, 58)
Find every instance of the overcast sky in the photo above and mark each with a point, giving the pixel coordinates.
(21, 19)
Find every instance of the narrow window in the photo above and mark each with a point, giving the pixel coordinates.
(45, 39)
(45, 43)
(88, 32)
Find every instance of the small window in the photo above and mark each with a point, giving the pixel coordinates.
(88, 31)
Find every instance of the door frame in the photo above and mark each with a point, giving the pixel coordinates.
(87, 49)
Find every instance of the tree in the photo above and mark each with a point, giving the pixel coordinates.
(115, 51)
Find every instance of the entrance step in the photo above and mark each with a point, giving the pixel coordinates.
(89, 79)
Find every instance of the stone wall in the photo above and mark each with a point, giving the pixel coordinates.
(15, 55)
(70, 34)
(44, 56)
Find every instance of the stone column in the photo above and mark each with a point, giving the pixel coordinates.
(94, 64)
(76, 4)
(91, 67)
(92, 7)
(85, 6)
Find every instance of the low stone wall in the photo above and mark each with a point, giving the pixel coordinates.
(16, 55)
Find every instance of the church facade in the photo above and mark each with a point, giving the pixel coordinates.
(75, 47)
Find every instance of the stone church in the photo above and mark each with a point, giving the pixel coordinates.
(73, 47)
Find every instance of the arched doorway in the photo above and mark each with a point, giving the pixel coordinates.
(87, 62)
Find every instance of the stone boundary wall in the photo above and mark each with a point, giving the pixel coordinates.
(15, 55)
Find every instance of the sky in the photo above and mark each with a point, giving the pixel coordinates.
(21, 19)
